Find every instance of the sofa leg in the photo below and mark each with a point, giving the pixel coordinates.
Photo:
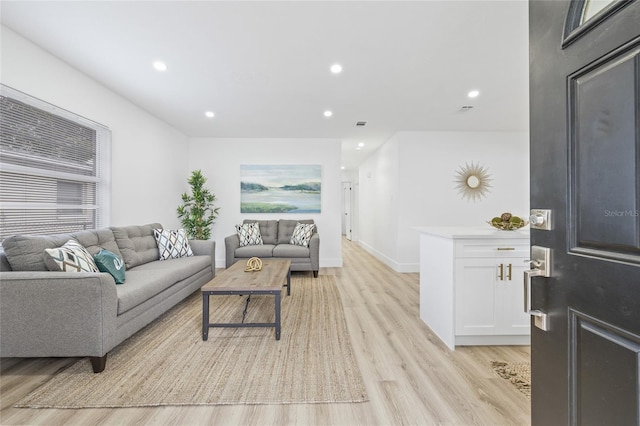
(98, 363)
(315, 274)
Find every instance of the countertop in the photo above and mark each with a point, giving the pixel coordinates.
(456, 232)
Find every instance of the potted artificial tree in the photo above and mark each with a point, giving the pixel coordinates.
(197, 211)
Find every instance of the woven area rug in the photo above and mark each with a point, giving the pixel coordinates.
(518, 373)
(168, 363)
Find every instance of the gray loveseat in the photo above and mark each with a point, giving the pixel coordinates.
(61, 314)
(276, 235)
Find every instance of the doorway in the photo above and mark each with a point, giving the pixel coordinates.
(347, 201)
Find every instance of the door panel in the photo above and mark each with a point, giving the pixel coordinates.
(603, 357)
(585, 161)
(604, 155)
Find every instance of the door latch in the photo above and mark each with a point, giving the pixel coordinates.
(540, 267)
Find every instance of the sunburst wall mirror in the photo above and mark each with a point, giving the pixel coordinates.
(473, 181)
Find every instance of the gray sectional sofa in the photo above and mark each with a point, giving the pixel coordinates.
(60, 314)
(276, 235)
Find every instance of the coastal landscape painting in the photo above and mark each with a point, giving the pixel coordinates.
(280, 188)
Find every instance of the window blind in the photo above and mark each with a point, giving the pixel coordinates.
(54, 168)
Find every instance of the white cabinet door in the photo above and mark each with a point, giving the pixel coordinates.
(476, 298)
(514, 320)
(489, 297)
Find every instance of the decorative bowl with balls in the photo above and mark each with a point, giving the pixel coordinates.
(508, 222)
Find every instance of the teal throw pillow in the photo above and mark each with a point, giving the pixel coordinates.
(109, 262)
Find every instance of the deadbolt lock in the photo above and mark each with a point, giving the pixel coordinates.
(540, 219)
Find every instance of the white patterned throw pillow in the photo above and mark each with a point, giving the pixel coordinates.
(302, 234)
(249, 234)
(172, 244)
(71, 257)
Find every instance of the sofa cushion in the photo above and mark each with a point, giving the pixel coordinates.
(302, 234)
(290, 251)
(137, 244)
(71, 257)
(26, 252)
(268, 230)
(95, 240)
(249, 234)
(286, 227)
(147, 280)
(264, 250)
(172, 244)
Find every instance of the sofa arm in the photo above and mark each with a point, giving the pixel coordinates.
(57, 314)
(314, 252)
(205, 248)
(231, 243)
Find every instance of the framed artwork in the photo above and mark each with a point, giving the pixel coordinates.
(280, 188)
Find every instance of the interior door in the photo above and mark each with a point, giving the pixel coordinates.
(346, 210)
(585, 161)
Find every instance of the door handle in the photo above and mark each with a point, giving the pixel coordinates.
(501, 272)
(540, 267)
(509, 272)
(527, 291)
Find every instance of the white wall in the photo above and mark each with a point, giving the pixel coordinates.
(379, 206)
(220, 160)
(149, 157)
(424, 190)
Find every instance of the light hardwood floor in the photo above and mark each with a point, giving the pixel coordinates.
(410, 376)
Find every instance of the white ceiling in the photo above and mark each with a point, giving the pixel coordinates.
(263, 66)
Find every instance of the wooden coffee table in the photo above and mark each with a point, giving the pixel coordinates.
(234, 280)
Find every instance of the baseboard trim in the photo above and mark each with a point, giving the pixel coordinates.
(396, 266)
(517, 340)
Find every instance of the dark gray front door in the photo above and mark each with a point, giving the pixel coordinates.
(585, 168)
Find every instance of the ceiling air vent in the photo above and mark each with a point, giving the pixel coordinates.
(465, 108)
(361, 123)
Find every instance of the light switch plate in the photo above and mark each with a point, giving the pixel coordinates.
(540, 219)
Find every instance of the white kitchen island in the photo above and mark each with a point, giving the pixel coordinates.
(471, 285)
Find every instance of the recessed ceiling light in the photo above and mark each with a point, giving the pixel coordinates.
(361, 144)
(209, 114)
(473, 94)
(160, 66)
(342, 168)
(336, 68)
(328, 113)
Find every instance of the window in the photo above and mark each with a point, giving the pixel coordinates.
(592, 7)
(54, 168)
(585, 15)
